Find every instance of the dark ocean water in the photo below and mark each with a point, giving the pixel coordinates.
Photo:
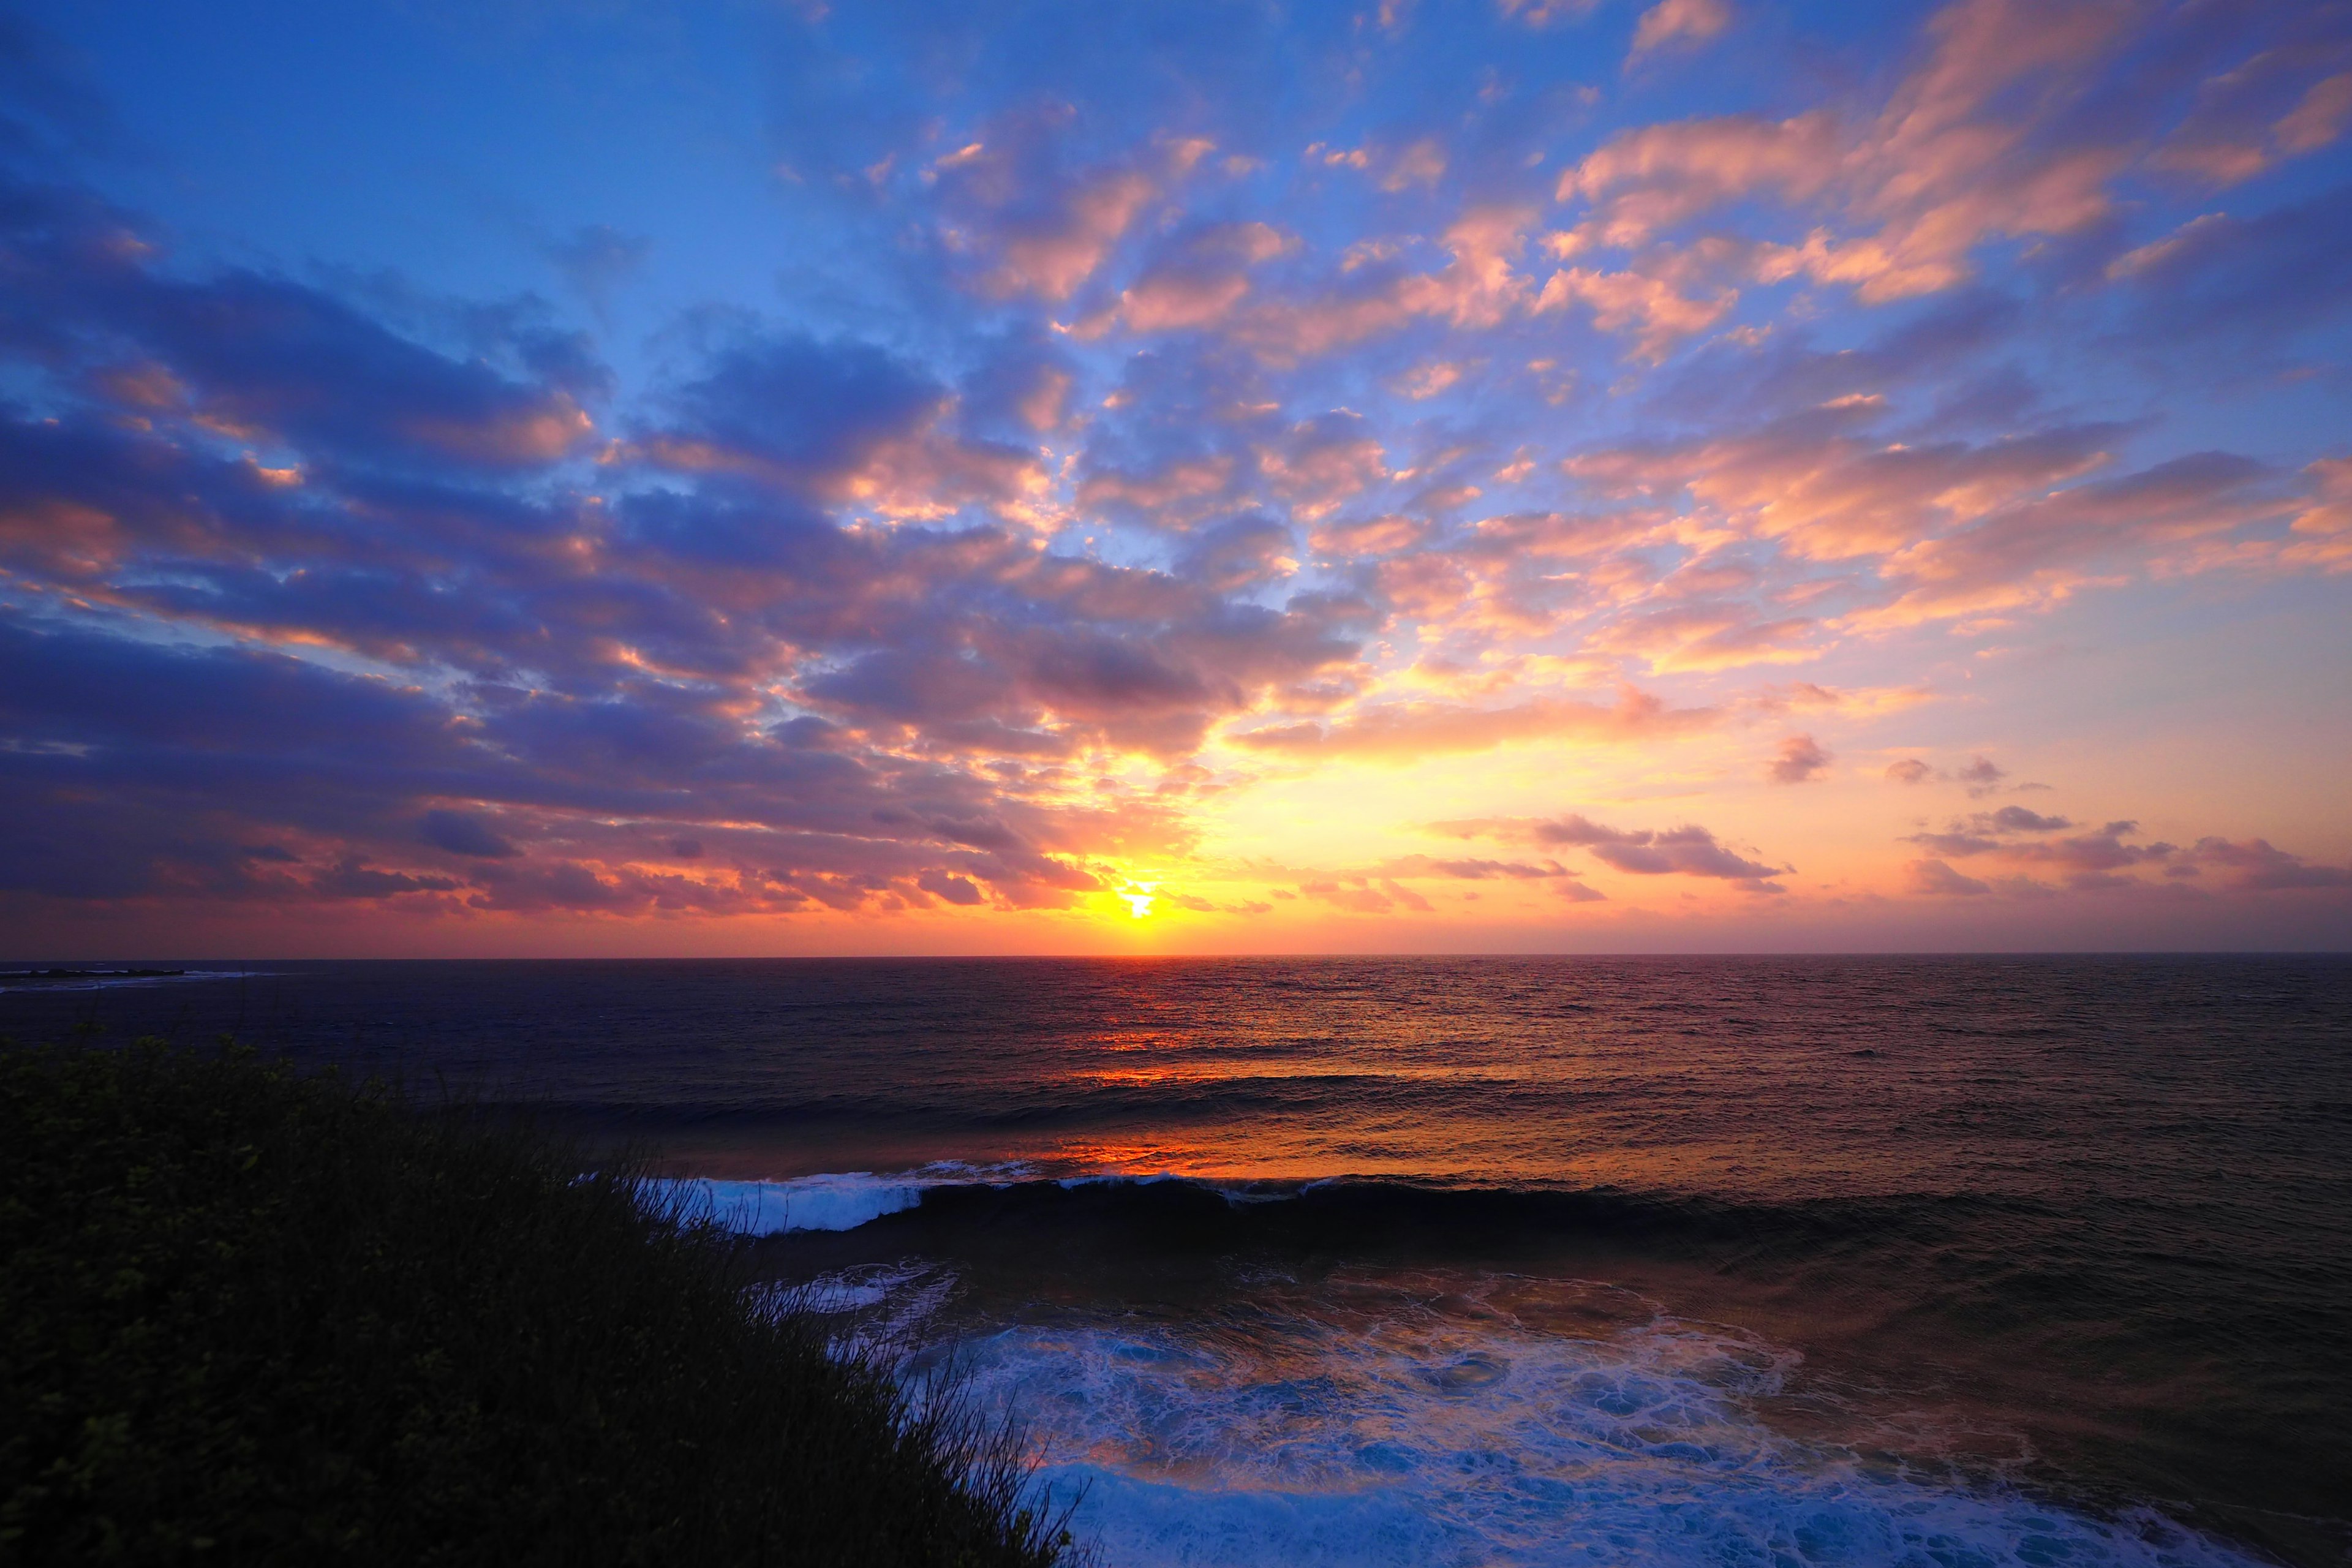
(1776, 1261)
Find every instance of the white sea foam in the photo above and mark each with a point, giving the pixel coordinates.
(1382, 1431)
(837, 1200)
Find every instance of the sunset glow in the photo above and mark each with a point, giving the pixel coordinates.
(1376, 477)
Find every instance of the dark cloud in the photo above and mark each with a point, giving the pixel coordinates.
(273, 361)
(2265, 275)
(2256, 864)
(1957, 846)
(1981, 776)
(803, 411)
(1800, 761)
(461, 832)
(1936, 880)
(598, 258)
(954, 890)
(1239, 552)
(250, 459)
(314, 587)
(1689, 851)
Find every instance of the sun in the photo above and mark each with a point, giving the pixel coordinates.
(1139, 897)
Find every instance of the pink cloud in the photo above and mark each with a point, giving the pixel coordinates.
(1322, 462)
(1682, 22)
(1407, 732)
(1703, 637)
(2041, 550)
(1933, 879)
(2254, 864)
(1831, 495)
(1935, 172)
(1024, 224)
(1689, 851)
(1646, 180)
(1196, 285)
(1545, 13)
(1174, 491)
(1649, 308)
(1477, 288)
(1369, 536)
(1800, 760)
(2236, 128)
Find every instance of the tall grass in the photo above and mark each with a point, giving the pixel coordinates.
(251, 1316)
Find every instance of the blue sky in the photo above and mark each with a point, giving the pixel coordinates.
(1532, 474)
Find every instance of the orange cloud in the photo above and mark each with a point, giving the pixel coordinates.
(1931, 175)
(1409, 731)
(1834, 496)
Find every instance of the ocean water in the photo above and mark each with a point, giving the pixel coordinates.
(1950, 1261)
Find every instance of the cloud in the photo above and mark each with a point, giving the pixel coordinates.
(1322, 462)
(1099, 456)
(1380, 535)
(1478, 288)
(1408, 731)
(1643, 181)
(1238, 554)
(461, 832)
(1194, 282)
(1800, 761)
(1962, 151)
(954, 890)
(1540, 14)
(1021, 220)
(2282, 103)
(598, 258)
(2254, 864)
(1981, 775)
(1933, 879)
(831, 422)
(2041, 550)
(2221, 276)
(1684, 22)
(1689, 851)
(1649, 308)
(1830, 493)
(1472, 870)
(1978, 833)
(1704, 637)
(2102, 861)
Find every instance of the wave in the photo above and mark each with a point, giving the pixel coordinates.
(1174, 1208)
(836, 1200)
(1437, 1418)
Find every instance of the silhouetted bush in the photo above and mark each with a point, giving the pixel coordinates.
(253, 1315)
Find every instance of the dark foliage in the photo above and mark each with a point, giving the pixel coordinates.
(251, 1316)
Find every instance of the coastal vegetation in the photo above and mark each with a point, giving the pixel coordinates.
(250, 1315)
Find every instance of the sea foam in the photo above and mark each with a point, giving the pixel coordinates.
(1358, 1424)
(836, 1200)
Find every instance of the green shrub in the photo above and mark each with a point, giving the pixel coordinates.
(253, 1315)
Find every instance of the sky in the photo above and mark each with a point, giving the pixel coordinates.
(616, 478)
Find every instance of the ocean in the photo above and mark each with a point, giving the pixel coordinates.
(1956, 1260)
